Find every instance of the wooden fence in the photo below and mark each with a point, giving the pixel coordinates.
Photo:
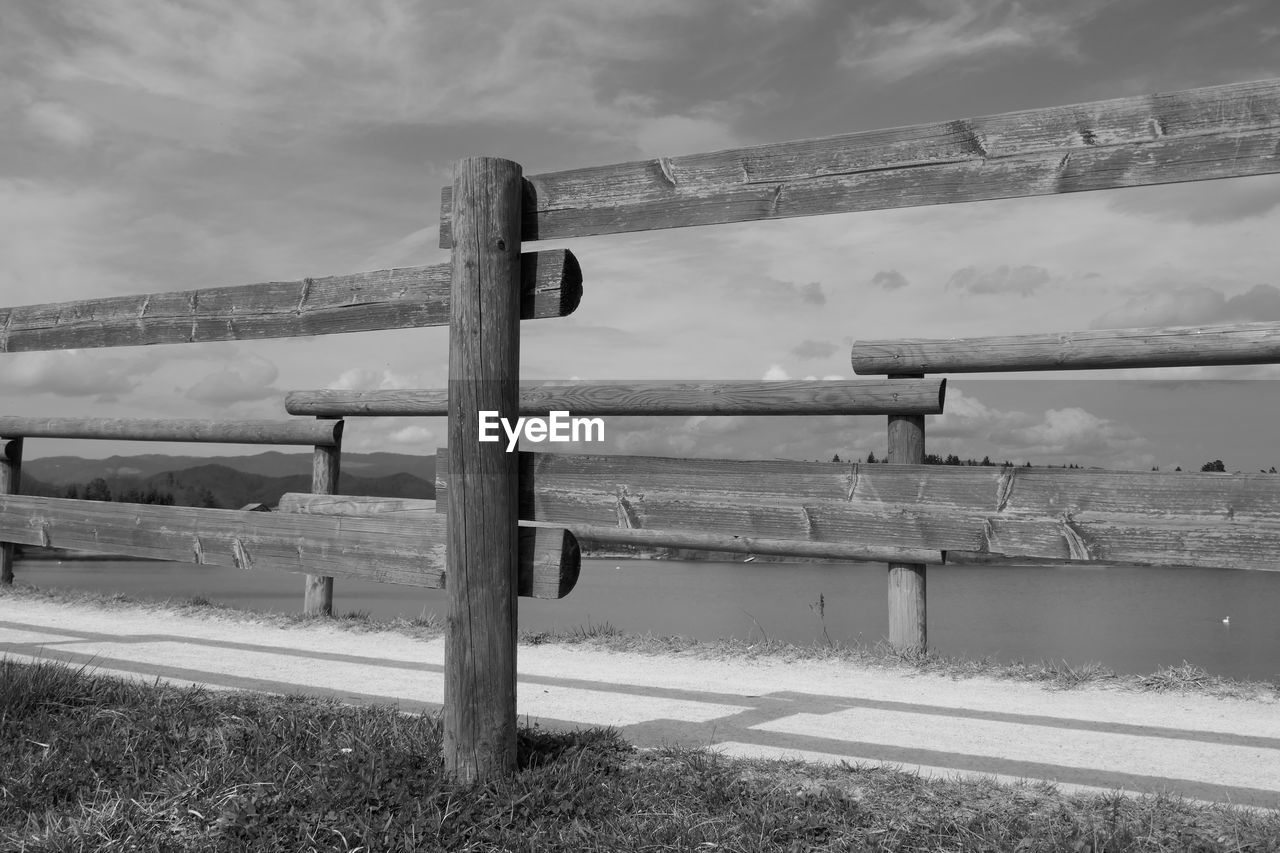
(906, 514)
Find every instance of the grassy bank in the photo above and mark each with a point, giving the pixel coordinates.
(1056, 674)
(95, 763)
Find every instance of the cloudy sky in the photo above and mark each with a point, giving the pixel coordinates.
(150, 147)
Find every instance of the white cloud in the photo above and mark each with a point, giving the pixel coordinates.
(72, 373)
(57, 122)
(807, 349)
(418, 436)
(1192, 305)
(366, 379)
(970, 428)
(775, 373)
(889, 280)
(1023, 280)
(289, 65)
(242, 381)
(668, 135)
(951, 33)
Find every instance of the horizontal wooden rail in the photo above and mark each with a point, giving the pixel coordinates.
(836, 397)
(321, 433)
(550, 559)
(387, 299)
(384, 549)
(1196, 134)
(594, 535)
(1177, 346)
(1153, 518)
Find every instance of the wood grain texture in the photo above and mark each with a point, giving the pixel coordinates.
(596, 535)
(1176, 346)
(550, 557)
(551, 286)
(10, 484)
(407, 550)
(1149, 518)
(831, 397)
(1196, 134)
(287, 432)
(484, 370)
(908, 624)
(369, 548)
(326, 467)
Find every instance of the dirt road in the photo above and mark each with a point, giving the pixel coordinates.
(1201, 747)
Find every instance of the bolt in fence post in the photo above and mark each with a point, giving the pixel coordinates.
(325, 465)
(10, 482)
(484, 373)
(907, 627)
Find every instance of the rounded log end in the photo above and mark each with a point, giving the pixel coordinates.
(570, 564)
(571, 286)
(300, 402)
(867, 361)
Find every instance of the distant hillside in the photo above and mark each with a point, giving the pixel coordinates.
(226, 482)
(65, 470)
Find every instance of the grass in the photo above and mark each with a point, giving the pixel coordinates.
(96, 763)
(1055, 674)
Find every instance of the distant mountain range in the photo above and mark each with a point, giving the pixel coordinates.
(229, 482)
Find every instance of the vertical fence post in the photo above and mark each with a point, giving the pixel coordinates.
(10, 482)
(484, 371)
(907, 628)
(326, 463)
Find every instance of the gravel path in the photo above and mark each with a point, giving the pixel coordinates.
(1091, 738)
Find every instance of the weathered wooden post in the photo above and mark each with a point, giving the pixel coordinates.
(907, 628)
(326, 463)
(10, 482)
(484, 371)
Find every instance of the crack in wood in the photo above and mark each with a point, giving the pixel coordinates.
(968, 134)
(1157, 127)
(1076, 544)
(777, 198)
(1004, 488)
(664, 166)
(808, 521)
(198, 549)
(854, 476)
(306, 292)
(240, 555)
(988, 536)
(853, 173)
(194, 302)
(627, 517)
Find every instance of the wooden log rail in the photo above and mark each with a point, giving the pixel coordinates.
(1197, 134)
(316, 433)
(1175, 346)
(829, 397)
(1147, 518)
(589, 535)
(550, 286)
(386, 548)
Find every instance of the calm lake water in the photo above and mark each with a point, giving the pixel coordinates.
(1130, 619)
